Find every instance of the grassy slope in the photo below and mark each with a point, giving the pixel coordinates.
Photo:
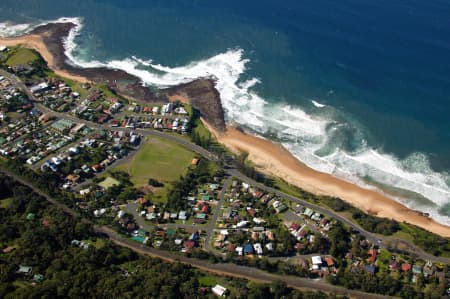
(21, 56)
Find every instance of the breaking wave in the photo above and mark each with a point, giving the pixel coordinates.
(320, 138)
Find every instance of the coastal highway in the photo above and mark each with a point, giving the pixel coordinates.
(382, 241)
(224, 269)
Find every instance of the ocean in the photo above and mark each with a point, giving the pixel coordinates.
(355, 88)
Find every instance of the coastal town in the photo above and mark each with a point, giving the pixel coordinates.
(92, 143)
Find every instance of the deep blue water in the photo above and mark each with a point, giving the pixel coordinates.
(381, 67)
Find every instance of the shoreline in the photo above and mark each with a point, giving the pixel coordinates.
(267, 156)
(36, 43)
(275, 160)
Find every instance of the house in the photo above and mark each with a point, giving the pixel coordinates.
(316, 260)
(166, 216)
(308, 212)
(428, 269)
(417, 270)
(213, 187)
(200, 216)
(195, 162)
(205, 209)
(294, 227)
(329, 260)
(241, 224)
(227, 213)
(270, 235)
(316, 217)
(26, 270)
(38, 278)
(370, 268)
(182, 215)
(195, 236)
(393, 265)
(373, 256)
(39, 87)
(9, 249)
(180, 110)
(406, 267)
(258, 249)
(258, 229)
(206, 197)
(219, 290)
(189, 244)
(251, 212)
(248, 249)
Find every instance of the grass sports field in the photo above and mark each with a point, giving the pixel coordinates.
(159, 159)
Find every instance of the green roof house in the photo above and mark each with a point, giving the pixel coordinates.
(25, 270)
(38, 277)
(200, 216)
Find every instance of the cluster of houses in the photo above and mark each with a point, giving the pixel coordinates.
(111, 145)
(33, 141)
(242, 229)
(179, 125)
(12, 99)
(94, 106)
(165, 117)
(395, 264)
(164, 110)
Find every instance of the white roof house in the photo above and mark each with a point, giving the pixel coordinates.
(316, 260)
(219, 290)
(241, 224)
(258, 249)
(39, 87)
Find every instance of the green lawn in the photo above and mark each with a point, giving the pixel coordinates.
(200, 129)
(109, 182)
(4, 203)
(99, 243)
(159, 159)
(22, 56)
(208, 281)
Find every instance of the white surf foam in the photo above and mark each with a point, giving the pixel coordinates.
(301, 133)
(8, 29)
(317, 104)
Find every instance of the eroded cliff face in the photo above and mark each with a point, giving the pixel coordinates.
(201, 93)
(203, 96)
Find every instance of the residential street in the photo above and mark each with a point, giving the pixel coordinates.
(381, 241)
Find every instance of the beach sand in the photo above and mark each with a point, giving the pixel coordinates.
(35, 42)
(275, 160)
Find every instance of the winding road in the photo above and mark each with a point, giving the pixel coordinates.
(226, 269)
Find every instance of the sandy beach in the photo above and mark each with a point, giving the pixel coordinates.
(275, 160)
(35, 42)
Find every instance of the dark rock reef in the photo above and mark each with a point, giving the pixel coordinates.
(201, 93)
